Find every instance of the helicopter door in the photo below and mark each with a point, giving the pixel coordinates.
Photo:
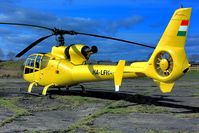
(44, 72)
(37, 65)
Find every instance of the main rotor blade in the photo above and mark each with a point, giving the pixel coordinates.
(32, 45)
(71, 32)
(28, 25)
(117, 39)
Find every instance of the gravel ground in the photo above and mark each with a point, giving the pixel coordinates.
(139, 107)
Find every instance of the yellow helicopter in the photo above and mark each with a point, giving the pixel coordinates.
(65, 66)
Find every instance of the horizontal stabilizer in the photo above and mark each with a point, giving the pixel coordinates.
(165, 87)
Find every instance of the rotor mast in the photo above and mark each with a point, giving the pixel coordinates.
(61, 40)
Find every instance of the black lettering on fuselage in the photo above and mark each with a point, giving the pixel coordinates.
(102, 72)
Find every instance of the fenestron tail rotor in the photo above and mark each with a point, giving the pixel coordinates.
(61, 32)
(163, 63)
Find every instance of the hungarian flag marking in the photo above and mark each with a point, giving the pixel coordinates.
(183, 28)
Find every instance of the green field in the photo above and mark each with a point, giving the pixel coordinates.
(11, 69)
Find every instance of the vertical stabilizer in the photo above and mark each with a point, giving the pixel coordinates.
(118, 74)
(169, 61)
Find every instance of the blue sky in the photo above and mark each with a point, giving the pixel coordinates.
(141, 21)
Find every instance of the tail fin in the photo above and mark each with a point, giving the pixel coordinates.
(168, 61)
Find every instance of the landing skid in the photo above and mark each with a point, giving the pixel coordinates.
(44, 91)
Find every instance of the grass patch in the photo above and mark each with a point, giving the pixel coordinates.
(49, 108)
(196, 94)
(117, 107)
(86, 123)
(32, 131)
(191, 115)
(56, 107)
(11, 69)
(165, 131)
(98, 129)
(156, 131)
(151, 109)
(122, 107)
(85, 128)
(11, 65)
(10, 104)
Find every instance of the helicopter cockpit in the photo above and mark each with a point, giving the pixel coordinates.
(33, 63)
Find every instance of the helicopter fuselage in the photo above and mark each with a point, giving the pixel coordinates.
(62, 69)
(62, 72)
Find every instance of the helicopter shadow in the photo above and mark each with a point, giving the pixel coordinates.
(132, 97)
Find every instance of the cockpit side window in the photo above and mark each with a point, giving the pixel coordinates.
(44, 61)
(37, 63)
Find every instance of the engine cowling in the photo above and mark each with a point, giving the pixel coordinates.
(79, 53)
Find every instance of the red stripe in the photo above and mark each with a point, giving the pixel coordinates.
(185, 22)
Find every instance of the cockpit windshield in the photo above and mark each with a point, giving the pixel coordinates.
(32, 63)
